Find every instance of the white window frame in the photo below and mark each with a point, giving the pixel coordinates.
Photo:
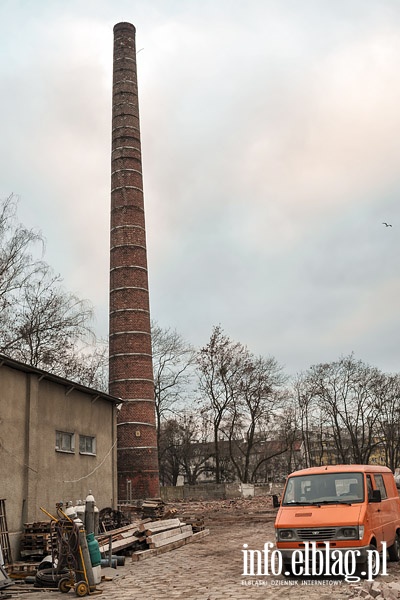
(61, 436)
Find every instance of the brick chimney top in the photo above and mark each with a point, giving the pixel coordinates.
(124, 25)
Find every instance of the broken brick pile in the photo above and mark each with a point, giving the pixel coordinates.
(377, 590)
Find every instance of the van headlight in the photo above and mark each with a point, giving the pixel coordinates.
(284, 535)
(349, 533)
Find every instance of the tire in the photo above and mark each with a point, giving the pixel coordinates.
(394, 550)
(81, 589)
(363, 568)
(49, 578)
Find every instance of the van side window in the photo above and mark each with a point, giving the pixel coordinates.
(380, 484)
(369, 487)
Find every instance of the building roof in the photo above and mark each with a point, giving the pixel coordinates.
(67, 383)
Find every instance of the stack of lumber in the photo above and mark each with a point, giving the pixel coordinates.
(147, 536)
(163, 540)
(160, 533)
(153, 509)
(37, 540)
(121, 539)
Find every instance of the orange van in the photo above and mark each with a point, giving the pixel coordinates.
(339, 508)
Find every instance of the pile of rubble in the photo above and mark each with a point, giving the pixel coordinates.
(377, 590)
(257, 508)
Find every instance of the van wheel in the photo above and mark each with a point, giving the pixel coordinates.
(394, 550)
(363, 568)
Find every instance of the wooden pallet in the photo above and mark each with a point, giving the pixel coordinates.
(38, 527)
(20, 570)
(38, 539)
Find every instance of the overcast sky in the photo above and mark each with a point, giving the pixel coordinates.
(271, 156)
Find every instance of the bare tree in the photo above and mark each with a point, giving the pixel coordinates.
(90, 366)
(185, 449)
(241, 394)
(197, 451)
(256, 400)
(312, 425)
(47, 325)
(172, 361)
(170, 451)
(388, 425)
(287, 427)
(218, 365)
(17, 264)
(346, 393)
(41, 323)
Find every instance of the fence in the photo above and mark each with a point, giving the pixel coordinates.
(217, 491)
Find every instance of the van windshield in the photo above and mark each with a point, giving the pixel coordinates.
(324, 488)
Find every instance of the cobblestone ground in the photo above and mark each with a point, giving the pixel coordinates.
(211, 569)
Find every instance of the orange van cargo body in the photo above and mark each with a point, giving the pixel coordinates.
(348, 506)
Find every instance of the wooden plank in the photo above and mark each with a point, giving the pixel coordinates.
(155, 526)
(119, 544)
(167, 534)
(197, 536)
(143, 554)
(175, 538)
(116, 534)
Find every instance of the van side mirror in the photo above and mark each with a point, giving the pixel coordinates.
(275, 501)
(376, 496)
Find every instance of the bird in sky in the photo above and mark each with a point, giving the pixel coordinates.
(387, 224)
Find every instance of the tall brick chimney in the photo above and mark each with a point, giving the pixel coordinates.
(131, 372)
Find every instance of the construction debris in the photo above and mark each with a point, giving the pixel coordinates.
(163, 527)
(257, 508)
(111, 519)
(147, 535)
(153, 509)
(197, 523)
